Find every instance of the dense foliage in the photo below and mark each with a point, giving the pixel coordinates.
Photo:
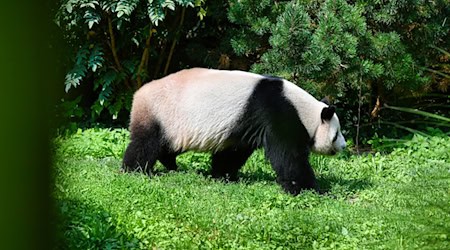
(394, 201)
(361, 54)
(116, 46)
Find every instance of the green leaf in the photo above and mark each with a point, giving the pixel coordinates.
(77, 73)
(105, 94)
(96, 58)
(72, 81)
(91, 17)
(97, 108)
(69, 7)
(155, 14)
(419, 112)
(125, 7)
(168, 4)
(201, 13)
(108, 5)
(115, 108)
(91, 4)
(107, 78)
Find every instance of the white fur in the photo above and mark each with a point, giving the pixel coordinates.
(323, 141)
(207, 112)
(309, 110)
(308, 107)
(198, 115)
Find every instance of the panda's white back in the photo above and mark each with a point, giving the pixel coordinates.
(197, 107)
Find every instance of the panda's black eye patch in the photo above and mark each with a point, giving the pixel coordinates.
(335, 136)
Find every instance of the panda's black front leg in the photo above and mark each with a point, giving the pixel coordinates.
(297, 178)
(294, 173)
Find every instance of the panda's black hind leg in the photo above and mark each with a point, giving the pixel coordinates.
(226, 164)
(143, 150)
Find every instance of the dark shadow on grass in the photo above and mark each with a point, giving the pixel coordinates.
(249, 177)
(326, 182)
(82, 226)
(182, 169)
(256, 176)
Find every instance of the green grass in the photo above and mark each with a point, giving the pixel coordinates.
(396, 201)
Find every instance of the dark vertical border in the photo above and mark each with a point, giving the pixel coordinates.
(27, 86)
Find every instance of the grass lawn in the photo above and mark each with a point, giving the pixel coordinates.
(399, 200)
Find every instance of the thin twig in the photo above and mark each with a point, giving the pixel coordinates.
(144, 57)
(175, 40)
(359, 115)
(113, 44)
(114, 50)
(160, 59)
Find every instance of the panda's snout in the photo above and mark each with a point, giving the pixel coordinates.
(342, 146)
(338, 147)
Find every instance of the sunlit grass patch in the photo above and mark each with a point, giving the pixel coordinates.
(393, 201)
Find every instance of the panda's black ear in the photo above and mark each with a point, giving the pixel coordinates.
(327, 113)
(326, 100)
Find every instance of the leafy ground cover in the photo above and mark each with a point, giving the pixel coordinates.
(398, 200)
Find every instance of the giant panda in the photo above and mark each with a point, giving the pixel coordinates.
(230, 114)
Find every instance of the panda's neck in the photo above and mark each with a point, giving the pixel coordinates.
(308, 107)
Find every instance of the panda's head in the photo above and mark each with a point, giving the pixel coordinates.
(328, 138)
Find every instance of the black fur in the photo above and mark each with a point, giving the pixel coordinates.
(269, 120)
(146, 146)
(168, 160)
(294, 173)
(327, 113)
(226, 163)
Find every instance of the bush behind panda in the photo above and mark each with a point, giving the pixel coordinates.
(231, 113)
